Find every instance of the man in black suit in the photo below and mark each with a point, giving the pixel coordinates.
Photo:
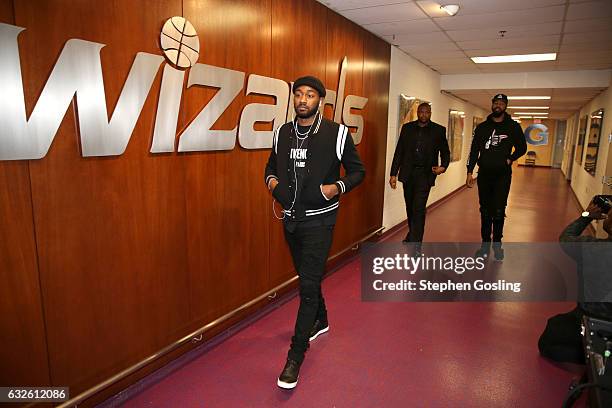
(420, 144)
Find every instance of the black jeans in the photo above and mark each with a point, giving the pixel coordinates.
(416, 192)
(493, 190)
(309, 248)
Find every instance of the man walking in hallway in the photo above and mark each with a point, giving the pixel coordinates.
(420, 144)
(492, 148)
(303, 175)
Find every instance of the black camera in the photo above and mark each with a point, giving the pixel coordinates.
(604, 202)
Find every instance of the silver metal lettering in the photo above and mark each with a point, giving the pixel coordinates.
(168, 107)
(198, 136)
(330, 99)
(354, 102)
(340, 96)
(250, 138)
(290, 107)
(77, 70)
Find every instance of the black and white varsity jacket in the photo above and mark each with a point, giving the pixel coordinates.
(329, 145)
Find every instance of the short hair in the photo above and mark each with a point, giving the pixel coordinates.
(424, 104)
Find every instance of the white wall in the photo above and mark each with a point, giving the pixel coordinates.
(584, 184)
(410, 77)
(571, 136)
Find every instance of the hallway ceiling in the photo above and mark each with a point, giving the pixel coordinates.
(579, 31)
(563, 103)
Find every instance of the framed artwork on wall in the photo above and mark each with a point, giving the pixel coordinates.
(582, 127)
(592, 143)
(407, 112)
(475, 122)
(455, 133)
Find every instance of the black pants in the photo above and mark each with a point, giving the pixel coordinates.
(416, 192)
(493, 189)
(309, 248)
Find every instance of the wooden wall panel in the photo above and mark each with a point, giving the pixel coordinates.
(345, 38)
(297, 28)
(111, 231)
(23, 354)
(227, 227)
(137, 250)
(376, 71)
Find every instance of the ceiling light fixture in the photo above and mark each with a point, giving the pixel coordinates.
(529, 98)
(528, 107)
(501, 59)
(540, 117)
(451, 9)
(530, 113)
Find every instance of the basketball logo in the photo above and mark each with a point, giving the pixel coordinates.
(537, 134)
(180, 42)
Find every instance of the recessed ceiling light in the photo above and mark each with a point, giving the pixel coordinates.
(524, 117)
(500, 59)
(528, 107)
(540, 117)
(530, 113)
(529, 98)
(451, 9)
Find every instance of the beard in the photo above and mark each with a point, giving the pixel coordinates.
(308, 114)
(498, 113)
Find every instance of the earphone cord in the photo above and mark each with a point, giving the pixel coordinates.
(297, 134)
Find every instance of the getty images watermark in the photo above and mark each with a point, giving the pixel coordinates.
(456, 272)
(413, 264)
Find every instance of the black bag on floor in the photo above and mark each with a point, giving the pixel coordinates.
(561, 340)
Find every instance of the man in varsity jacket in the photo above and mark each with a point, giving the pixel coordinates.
(303, 174)
(492, 148)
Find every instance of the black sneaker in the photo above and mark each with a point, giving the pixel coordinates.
(498, 252)
(483, 251)
(318, 328)
(289, 377)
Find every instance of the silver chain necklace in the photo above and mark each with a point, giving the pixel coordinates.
(303, 135)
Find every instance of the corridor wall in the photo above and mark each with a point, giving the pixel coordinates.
(583, 183)
(106, 260)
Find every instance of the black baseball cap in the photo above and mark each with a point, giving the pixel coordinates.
(501, 97)
(313, 82)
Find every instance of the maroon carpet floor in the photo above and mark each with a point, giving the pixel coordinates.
(398, 354)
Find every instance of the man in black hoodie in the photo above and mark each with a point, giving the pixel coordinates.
(492, 148)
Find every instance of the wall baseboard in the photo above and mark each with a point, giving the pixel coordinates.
(542, 166)
(590, 228)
